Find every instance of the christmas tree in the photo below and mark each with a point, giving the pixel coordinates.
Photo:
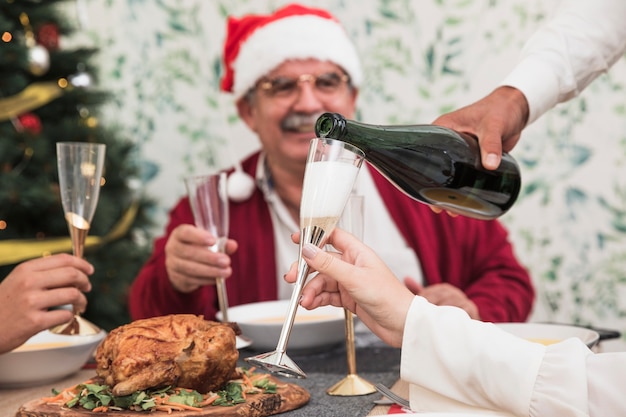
(48, 95)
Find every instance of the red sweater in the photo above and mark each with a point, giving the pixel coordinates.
(474, 255)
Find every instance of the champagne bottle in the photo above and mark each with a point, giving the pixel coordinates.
(432, 164)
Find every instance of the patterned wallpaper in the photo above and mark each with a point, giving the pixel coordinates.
(162, 60)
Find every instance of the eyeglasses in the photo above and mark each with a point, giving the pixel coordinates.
(283, 87)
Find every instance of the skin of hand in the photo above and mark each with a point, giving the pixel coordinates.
(189, 262)
(356, 279)
(497, 120)
(32, 288)
(438, 210)
(443, 294)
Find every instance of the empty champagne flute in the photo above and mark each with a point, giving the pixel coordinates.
(352, 384)
(209, 203)
(331, 169)
(80, 167)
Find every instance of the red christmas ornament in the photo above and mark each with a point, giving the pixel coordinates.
(48, 36)
(30, 122)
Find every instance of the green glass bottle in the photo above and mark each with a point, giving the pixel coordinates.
(432, 164)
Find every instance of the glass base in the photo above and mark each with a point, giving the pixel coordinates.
(78, 326)
(277, 363)
(351, 385)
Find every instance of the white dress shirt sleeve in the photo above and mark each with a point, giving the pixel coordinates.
(455, 364)
(583, 40)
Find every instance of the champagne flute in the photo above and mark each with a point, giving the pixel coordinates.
(331, 168)
(352, 384)
(80, 167)
(208, 198)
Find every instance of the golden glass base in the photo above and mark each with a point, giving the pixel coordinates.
(351, 385)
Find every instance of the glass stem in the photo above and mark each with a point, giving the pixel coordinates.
(303, 272)
(350, 350)
(222, 298)
(220, 284)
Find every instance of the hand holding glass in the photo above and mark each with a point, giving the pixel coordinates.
(80, 167)
(331, 169)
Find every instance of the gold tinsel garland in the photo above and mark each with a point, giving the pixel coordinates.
(18, 250)
(32, 97)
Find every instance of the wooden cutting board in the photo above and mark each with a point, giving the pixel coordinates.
(288, 397)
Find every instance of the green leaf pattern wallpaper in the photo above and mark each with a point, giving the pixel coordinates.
(161, 59)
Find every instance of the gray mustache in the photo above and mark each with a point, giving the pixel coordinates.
(296, 121)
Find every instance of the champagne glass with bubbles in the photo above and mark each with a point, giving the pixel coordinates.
(80, 167)
(331, 169)
(209, 203)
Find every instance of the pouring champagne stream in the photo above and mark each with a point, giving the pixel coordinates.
(331, 169)
(80, 167)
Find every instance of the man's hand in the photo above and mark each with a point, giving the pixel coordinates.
(497, 120)
(444, 294)
(189, 262)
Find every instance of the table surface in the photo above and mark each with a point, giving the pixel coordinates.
(374, 363)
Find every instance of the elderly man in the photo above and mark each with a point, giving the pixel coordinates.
(284, 70)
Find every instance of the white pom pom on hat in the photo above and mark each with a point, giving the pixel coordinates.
(256, 44)
(240, 185)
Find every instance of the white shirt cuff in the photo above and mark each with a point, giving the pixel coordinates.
(536, 80)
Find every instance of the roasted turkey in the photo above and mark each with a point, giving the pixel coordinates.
(181, 350)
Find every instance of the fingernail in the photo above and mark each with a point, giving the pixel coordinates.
(492, 160)
(309, 250)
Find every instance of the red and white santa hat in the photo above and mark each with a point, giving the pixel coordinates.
(256, 44)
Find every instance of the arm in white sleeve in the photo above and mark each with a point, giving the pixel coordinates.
(606, 374)
(583, 40)
(456, 364)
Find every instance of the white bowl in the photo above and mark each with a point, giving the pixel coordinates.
(312, 330)
(547, 333)
(46, 357)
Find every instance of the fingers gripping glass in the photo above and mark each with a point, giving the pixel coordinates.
(281, 87)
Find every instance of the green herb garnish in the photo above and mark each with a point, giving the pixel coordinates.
(92, 396)
(231, 394)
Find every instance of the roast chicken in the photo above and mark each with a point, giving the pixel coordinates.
(181, 350)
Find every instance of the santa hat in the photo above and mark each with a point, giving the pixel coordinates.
(256, 44)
